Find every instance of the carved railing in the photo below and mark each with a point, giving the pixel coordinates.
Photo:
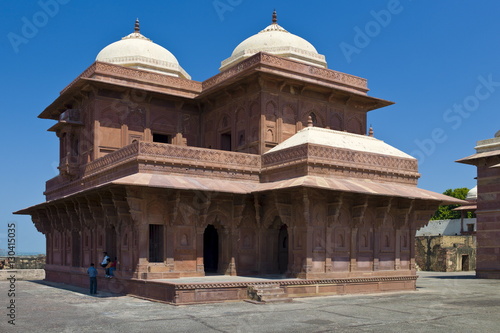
(120, 156)
(115, 164)
(172, 154)
(341, 158)
(200, 156)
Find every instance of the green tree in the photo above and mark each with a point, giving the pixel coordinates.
(446, 212)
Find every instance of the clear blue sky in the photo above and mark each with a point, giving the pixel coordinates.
(439, 61)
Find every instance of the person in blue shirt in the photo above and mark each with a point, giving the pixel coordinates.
(92, 272)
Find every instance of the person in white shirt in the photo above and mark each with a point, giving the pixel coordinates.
(105, 260)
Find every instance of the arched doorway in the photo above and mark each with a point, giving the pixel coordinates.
(283, 249)
(211, 249)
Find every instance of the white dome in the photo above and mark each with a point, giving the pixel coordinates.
(472, 194)
(138, 51)
(276, 40)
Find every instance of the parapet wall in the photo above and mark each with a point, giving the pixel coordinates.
(22, 274)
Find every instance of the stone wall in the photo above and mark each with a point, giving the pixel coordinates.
(446, 253)
(24, 262)
(22, 274)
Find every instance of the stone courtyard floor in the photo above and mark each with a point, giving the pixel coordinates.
(444, 302)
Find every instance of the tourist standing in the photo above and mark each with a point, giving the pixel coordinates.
(92, 272)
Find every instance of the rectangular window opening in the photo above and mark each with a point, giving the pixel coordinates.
(162, 138)
(225, 141)
(156, 243)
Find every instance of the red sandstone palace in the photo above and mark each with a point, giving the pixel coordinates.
(264, 168)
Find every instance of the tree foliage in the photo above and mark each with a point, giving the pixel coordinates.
(446, 212)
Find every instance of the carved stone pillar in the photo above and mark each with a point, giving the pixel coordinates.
(353, 266)
(169, 248)
(233, 250)
(142, 248)
(309, 233)
(258, 246)
(397, 250)
(376, 247)
(200, 267)
(225, 254)
(328, 249)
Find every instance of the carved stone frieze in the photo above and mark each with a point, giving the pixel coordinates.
(109, 72)
(335, 155)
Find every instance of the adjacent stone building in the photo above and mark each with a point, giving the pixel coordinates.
(265, 168)
(487, 161)
(443, 246)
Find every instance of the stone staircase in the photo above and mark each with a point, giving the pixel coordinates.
(267, 293)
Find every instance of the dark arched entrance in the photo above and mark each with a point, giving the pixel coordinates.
(211, 249)
(111, 242)
(283, 249)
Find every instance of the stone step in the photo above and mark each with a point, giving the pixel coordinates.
(266, 297)
(268, 293)
(277, 300)
(277, 292)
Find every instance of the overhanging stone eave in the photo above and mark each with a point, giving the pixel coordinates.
(354, 95)
(310, 79)
(186, 183)
(207, 92)
(473, 159)
(152, 88)
(262, 61)
(57, 106)
(107, 70)
(360, 186)
(86, 191)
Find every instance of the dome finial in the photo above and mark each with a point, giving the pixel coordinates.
(370, 131)
(137, 28)
(275, 17)
(309, 121)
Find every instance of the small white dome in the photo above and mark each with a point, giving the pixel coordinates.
(274, 39)
(472, 194)
(138, 51)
